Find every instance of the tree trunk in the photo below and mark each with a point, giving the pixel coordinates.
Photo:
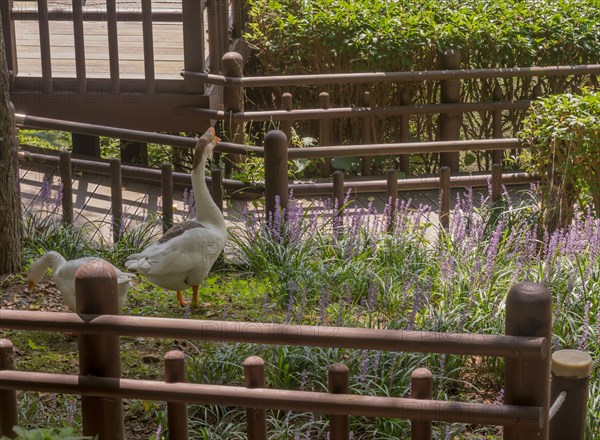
(10, 226)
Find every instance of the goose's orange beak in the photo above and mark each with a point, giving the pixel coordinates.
(31, 286)
(211, 130)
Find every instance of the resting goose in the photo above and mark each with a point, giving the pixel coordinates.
(63, 274)
(185, 254)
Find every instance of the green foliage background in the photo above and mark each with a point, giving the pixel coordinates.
(295, 36)
(361, 35)
(563, 132)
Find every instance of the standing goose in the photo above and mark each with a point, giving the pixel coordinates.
(184, 255)
(63, 274)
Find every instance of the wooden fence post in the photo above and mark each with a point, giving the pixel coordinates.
(224, 31)
(496, 182)
(15, 135)
(286, 104)
(176, 411)
(80, 68)
(99, 355)
(148, 38)
(216, 188)
(116, 198)
(85, 144)
(449, 123)
(366, 162)
(392, 197)
(66, 179)
(338, 193)
(497, 155)
(233, 102)
(338, 383)
(45, 55)
(276, 171)
(254, 377)
(237, 13)
(571, 370)
(421, 387)
(324, 134)
(527, 381)
(10, 42)
(444, 198)
(213, 34)
(405, 98)
(166, 178)
(193, 42)
(8, 398)
(134, 152)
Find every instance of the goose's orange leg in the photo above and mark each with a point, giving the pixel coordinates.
(195, 297)
(182, 302)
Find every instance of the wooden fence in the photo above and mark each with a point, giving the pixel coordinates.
(525, 348)
(276, 187)
(450, 108)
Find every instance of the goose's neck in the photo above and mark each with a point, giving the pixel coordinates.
(54, 260)
(206, 209)
(39, 267)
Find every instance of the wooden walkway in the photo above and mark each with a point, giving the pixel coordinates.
(141, 201)
(168, 43)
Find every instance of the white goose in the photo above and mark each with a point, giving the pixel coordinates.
(185, 254)
(63, 274)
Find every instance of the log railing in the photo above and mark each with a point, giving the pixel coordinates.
(276, 155)
(525, 347)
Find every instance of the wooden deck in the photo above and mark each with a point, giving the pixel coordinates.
(168, 43)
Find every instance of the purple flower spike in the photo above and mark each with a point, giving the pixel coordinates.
(45, 193)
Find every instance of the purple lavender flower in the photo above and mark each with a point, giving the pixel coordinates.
(363, 367)
(499, 400)
(46, 193)
(448, 435)
(493, 247)
(159, 432)
(311, 422)
(376, 362)
(59, 195)
(303, 380)
(586, 327)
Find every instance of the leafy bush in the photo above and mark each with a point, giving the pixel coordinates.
(296, 36)
(563, 132)
(349, 35)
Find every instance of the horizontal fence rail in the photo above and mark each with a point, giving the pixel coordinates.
(379, 77)
(355, 112)
(413, 184)
(286, 400)
(26, 121)
(66, 14)
(264, 333)
(150, 175)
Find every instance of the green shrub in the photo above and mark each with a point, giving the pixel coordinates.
(359, 35)
(563, 132)
(303, 37)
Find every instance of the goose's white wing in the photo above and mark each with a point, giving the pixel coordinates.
(179, 251)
